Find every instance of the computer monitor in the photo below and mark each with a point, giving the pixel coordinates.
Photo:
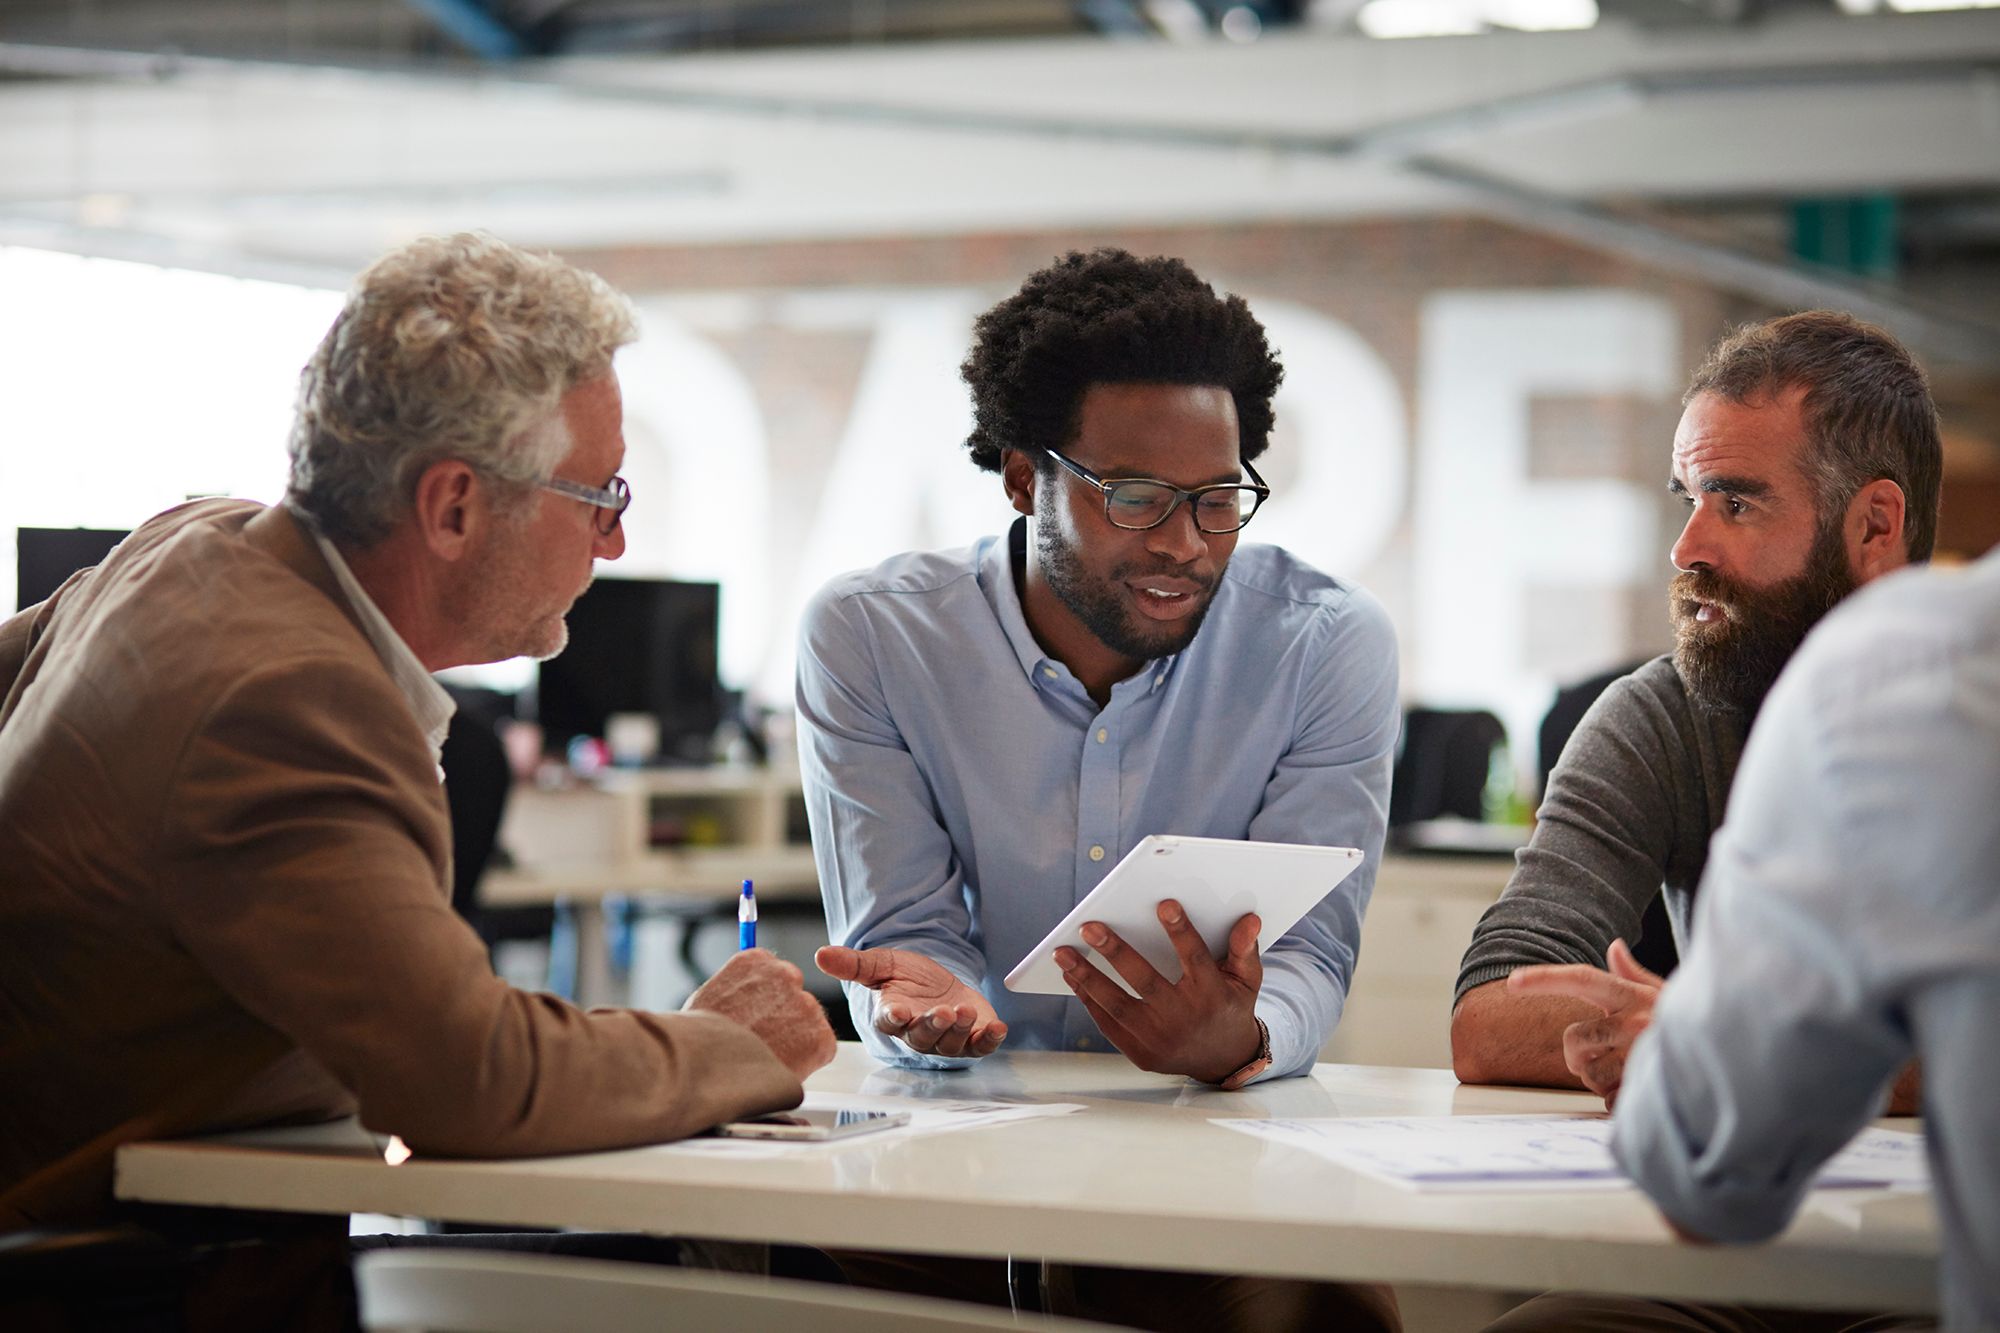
(637, 646)
(44, 557)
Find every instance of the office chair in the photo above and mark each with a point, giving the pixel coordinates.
(459, 1292)
(1443, 764)
(477, 783)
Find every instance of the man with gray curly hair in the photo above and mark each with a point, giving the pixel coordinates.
(462, 365)
(219, 774)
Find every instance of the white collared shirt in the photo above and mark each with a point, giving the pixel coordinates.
(1849, 921)
(429, 704)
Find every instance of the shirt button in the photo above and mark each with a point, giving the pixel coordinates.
(1096, 853)
(1103, 735)
(1049, 671)
(1160, 679)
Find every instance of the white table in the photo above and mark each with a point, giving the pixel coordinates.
(1138, 1178)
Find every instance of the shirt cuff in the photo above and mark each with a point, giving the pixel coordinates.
(1292, 1052)
(1653, 1148)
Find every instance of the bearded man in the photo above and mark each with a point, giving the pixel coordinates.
(1809, 460)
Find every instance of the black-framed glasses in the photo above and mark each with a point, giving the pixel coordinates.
(1139, 503)
(611, 501)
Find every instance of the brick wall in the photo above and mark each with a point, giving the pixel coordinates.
(1379, 280)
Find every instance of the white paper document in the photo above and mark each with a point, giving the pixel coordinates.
(1540, 1152)
(928, 1115)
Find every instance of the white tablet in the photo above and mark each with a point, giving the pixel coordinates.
(1216, 880)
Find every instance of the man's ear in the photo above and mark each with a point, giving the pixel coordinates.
(1874, 530)
(449, 506)
(1017, 473)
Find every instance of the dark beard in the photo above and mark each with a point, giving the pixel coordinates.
(1730, 665)
(1097, 605)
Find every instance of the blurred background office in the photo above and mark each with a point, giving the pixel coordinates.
(1490, 239)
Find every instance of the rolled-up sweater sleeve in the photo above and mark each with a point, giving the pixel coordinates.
(1607, 828)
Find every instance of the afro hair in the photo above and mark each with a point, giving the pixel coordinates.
(1110, 317)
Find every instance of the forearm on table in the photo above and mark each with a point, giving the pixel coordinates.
(1907, 1097)
(1501, 1037)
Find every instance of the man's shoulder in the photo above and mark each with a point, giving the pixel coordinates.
(1929, 609)
(1270, 594)
(912, 580)
(1904, 635)
(1653, 685)
(194, 599)
(192, 628)
(1647, 710)
(1279, 579)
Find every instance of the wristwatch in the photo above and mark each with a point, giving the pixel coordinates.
(1258, 1062)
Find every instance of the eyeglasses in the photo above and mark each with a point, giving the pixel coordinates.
(1138, 503)
(611, 501)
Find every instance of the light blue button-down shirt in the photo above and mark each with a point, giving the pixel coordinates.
(1849, 920)
(965, 792)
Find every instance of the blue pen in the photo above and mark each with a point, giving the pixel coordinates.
(746, 918)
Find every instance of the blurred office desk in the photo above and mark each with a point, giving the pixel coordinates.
(686, 835)
(1137, 1178)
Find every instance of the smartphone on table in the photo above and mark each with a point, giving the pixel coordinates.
(813, 1126)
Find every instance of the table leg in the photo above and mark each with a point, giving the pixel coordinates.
(595, 984)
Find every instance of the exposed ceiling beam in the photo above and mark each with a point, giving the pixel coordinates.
(1421, 145)
(473, 25)
(1407, 142)
(1939, 334)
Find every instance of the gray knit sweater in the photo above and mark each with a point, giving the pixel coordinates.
(1629, 810)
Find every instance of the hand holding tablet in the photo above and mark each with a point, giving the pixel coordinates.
(1165, 953)
(1217, 881)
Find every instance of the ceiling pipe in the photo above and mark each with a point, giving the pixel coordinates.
(1406, 144)
(474, 27)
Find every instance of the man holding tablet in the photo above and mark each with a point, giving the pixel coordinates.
(986, 732)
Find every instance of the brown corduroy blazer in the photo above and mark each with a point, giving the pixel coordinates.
(224, 894)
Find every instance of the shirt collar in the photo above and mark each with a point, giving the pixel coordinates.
(996, 574)
(429, 703)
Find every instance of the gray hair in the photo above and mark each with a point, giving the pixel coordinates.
(451, 347)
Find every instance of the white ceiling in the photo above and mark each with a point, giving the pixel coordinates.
(325, 167)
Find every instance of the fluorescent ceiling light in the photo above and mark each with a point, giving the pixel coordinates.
(1240, 24)
(1542, 15)
(1933, 6)
(1180, 20)
(1446, 18)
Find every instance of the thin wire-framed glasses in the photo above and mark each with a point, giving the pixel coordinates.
(611, 501)
(1138, 503)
